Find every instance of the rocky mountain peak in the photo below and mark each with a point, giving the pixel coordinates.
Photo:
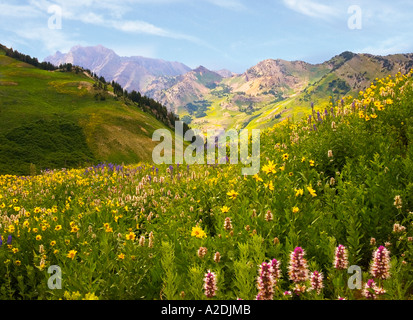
(132, 73)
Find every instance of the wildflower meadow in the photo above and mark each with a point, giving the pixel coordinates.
(328, 216)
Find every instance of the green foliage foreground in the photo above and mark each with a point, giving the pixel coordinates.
(340, 177)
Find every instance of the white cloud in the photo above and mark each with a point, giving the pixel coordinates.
(18, 11)
(312, 8)
(52, 40)
(103, 15)
(393, 45)
(137, 26)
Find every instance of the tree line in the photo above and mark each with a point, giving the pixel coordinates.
(148, 105)
(28, 59)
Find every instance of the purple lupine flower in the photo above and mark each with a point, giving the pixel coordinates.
(341, 258)
(9, 239)
(325, 112)
(298, 270)
(312, 110)
(316, 280)
(319, 117)
(332, 112)
(210, 284)
(314, 127)
(309, 119)
(380, 267)
(265, 282)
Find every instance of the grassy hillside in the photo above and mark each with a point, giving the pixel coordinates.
(60, 119)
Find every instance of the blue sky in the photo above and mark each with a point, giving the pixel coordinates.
(232, 34)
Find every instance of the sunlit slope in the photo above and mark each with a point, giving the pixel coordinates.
(272, 90)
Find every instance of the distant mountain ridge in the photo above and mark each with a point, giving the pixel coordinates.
(132, 73)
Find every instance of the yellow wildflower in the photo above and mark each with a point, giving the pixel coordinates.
(269, 168)
(198, 232)
(71, 254)
(232, 194)
(299, 192)
(269, 185)
(312, 191)
(130, 236)
(225, 209)
(90, 296)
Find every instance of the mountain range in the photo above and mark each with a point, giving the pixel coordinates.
(259, 97)
(132, 73)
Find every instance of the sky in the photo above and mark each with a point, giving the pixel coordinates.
(217, 34)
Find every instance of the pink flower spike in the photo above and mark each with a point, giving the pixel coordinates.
(341, 258)
(265, 282)
(275, 264)
(380, 267)
(298, 270)
(210, 284)
(316, 280)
